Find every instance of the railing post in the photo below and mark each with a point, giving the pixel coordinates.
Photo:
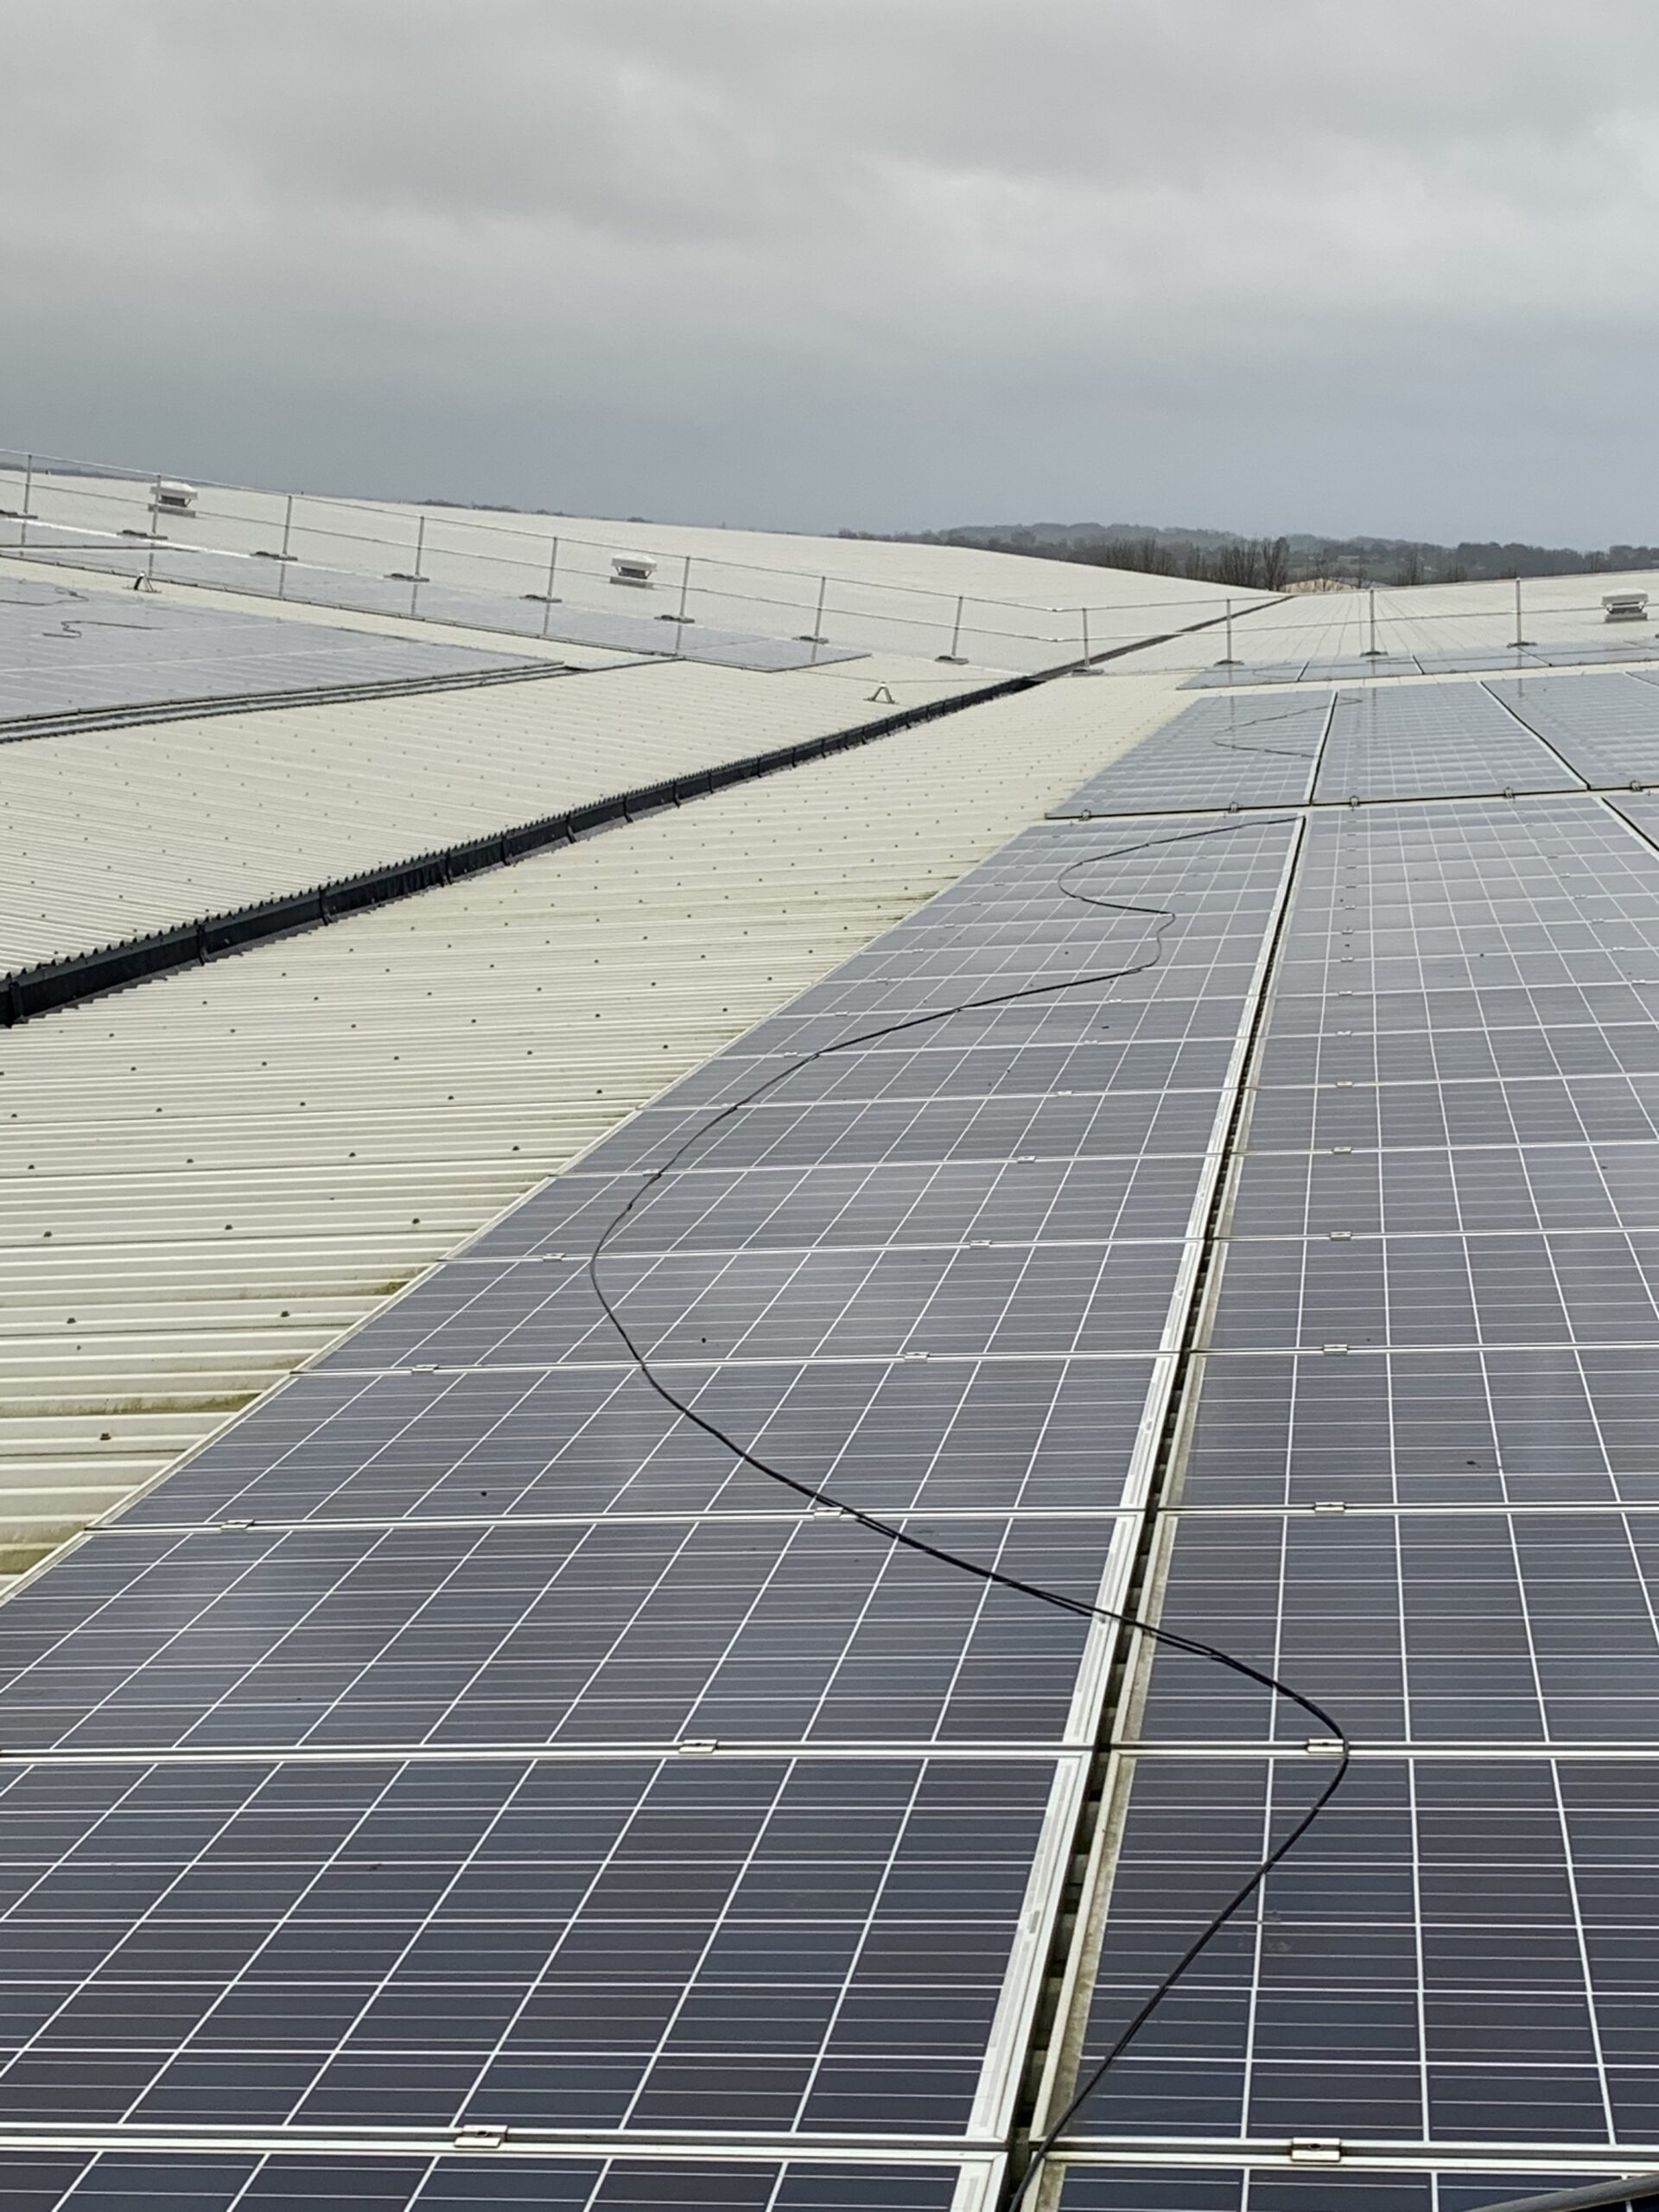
(155, 531)
(281, 565)
(817, 621)
(1372, 651)
(28, 486)
(955, 635)
(685, 586)
(420, 547)
(1520, 636)
(1227, 659)
(548, 600)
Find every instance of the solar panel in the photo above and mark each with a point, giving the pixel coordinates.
(1216, 752)
(64, 651)
(1050, 1434)
(1270, 2185)
(749, 1629)
(1484, 1627)
(716, 1945)
(1605, 727)
(1529, 1425)
(1446, 740)
(1455, 1952)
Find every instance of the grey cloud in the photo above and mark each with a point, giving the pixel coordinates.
(873, 262)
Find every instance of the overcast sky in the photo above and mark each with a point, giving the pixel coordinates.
(879, 263)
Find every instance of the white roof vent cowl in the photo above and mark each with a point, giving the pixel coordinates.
(1625, 606)
(632, 569)
(172, 498)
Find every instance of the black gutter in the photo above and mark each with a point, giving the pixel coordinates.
(56, 983)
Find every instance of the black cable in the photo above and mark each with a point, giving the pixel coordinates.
(1159, 918)
(1633, 2188)
(1263, 721)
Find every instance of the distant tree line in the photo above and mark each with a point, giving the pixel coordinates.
(1275, 563)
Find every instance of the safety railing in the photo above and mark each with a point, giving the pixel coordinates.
(527, 575)
(516, 573)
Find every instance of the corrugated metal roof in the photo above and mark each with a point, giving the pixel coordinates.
(114, 832)
(207, 1177)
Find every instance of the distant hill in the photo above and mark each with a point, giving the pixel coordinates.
(1273, 564)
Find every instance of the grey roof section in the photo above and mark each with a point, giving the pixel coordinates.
(656, 635)
(64, 652)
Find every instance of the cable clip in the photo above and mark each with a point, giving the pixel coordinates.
(1325, 1747)
(1315, 2151)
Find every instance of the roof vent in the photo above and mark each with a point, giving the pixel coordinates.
(632, 569)
(1625, 606)
(172, 498)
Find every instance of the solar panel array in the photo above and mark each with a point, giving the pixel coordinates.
(1420, 1485)
(66, 651)
(1527, 735)
(467, 1742)
(1440, 740)
(1469, 660)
